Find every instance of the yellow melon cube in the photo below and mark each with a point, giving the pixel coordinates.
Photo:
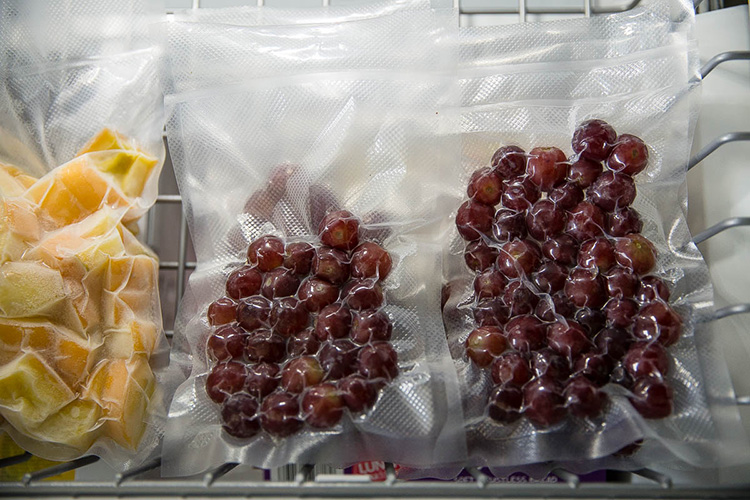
(13, 182)
(104, 140)
(56, 202)
(21, 219)
(28, 289)
(137, 338)
(77, 425)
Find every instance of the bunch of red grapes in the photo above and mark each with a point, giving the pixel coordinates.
(563, 302)
(301, 335)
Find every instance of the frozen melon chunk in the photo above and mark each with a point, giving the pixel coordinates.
(129, 291)
(28, 289)
(30, 391)
(138, 337)
(13, 182)
(77, 424)
(123, 389)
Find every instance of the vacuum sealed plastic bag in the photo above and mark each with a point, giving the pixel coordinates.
(80, 154)
(310, 161)
(577, 304)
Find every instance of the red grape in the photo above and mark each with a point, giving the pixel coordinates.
(479, 256)
(550, 277)
(612, 191)
(510, 368)
(279, 414)
(505, 404)
(323, 406)
(584, 171)
(562, 249)
(518, 258)
(485, 186)
(519, 298)
(658, 321)
(267, 252)
(378, 360)
(651, 289)
(544, 401)
(547, 167)
(566, 196)
(519, 194)
(559, 306)
(635, 252)
(224, 380)
(620, 312)
(484, 344)
(474, 219)
(222, 311)
(489, 283)
(594, 139)
(621, 282)
(592, 320)
(370, 260)
(629, 156)
(584, 399)
(298, 257)
(331, 265)
(302, 343)
(545, 220)
(244, 282)
(371, 325)
(317, 293)
(595, 367)
(548, 362)
(613, 342)
(301, 372)
(597, 253)
(289, 316)
(623, 222)
(262, 379)
(227, 342)
(253, 312)
(363, 294)
(280, 283)
(568, 339)
(584, 288)
(239, 415)
(490, 312)
(646, 359)
(333, 322)
(264, 346)
(508, 225)
(585, 221)
(357, 392)
(338, 358)
(509, 161)
(321, 201)
(339, 230)
(652, 398)
(526, 333)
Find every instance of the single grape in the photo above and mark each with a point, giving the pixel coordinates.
(621, 282)
(316, 293)
(584, 172)
(519, 194)
(562, 249)
(509, 161)
(484, 344)
(594, 139)
(239, 415)
(491, 312)
(227, 342)
(244, 282)
(547, 167)
(584, 288)
(518, 258)
(371, 325)
(652, 289)
(323, 406)
(658, 321)
(612, 191)
(595, 367)
(505, 404)
(298, 257)
(545, 220)
(333, 322)
(264, 346)
(489, 283)
(583, 398)
(623, 222)
(267, 252)
(510, 368)
(262, 379)
(585, 221)
(479, 256)
(620, 312)
(526, 333)
(363, 294)
(548, 362)
(508, 225)
(645, 359)
(544, 401)
(597, 253)
(519, 298)
(370, 260)
(568, 338)
(550, 277)
(301, 372)
(378, 360)
(338, 358)
(592, 320)
(613, 342)
(652, 398)
(635, 252)
(358, 393)
(253, 312)
(279, 414)
(224, 380)
(222, 311)
(339, 230)
(485, 186)
(303, 343)
(629, 156)
(289, 316)
(559, 306)
(331, 265)
(474, 219)
(279, 283)
(566, 196)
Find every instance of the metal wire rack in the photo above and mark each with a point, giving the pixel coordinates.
(177, 262)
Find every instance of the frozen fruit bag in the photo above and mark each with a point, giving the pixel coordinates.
(311, 162)
(577, 307)
(80, 154)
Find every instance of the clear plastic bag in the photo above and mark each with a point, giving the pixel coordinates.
(531, 85)
(80, 155)
(336, 116)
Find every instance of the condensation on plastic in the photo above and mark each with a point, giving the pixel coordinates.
(82, 339)
(357, 107)
(530, 85)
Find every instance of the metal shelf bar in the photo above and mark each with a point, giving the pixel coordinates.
(15, 460)
(58, 469)
(735, 55)
(124, 476)
(715, 144)
(731, 311)
(720, 227)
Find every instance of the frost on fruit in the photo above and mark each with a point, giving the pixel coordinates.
(79, 308)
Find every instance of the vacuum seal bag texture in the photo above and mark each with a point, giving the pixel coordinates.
(531, 85)
(80, 154)
(271, 129)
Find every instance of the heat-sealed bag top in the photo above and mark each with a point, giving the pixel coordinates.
(310, 159)
(578, 305)
(80, 154)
